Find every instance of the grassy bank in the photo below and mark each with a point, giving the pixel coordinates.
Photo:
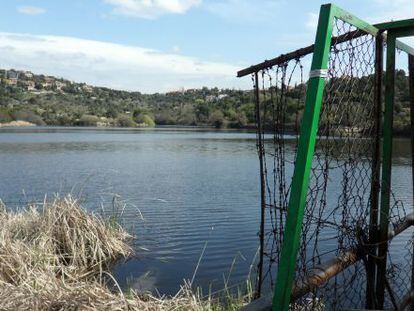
(56, 256)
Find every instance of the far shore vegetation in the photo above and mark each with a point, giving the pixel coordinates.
(44, 100)
(49, 101)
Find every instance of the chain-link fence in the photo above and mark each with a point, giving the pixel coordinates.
(336, 265)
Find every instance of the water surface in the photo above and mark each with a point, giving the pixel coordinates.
(184, 190)
(190, 187)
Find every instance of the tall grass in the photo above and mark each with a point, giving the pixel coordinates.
(56, 256)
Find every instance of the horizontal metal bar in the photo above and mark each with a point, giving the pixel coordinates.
(403, 32)
(404, 47)
(275, 61)
(296, 54)
(324, 272)
(396, 24)
(354, 20)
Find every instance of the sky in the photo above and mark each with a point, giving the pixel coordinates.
(163, 45)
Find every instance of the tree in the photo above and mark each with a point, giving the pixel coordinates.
(28, 116)
(88, 120)
(125, 121)
(111, 112)
(4, 116)
(145, 120)
(217, 119)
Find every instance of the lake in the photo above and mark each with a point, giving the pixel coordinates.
(191, 187)
(186, 191)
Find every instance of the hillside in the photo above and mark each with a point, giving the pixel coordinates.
(44, 100)
(47, 100)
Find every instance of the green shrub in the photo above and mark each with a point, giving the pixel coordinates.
(217, 119)
(165, 118)
(125, 121)
(239, 120)
(28, 116)
(88, 120)
(5, 117)
(145, 120)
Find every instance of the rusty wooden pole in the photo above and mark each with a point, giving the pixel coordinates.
(260, 149)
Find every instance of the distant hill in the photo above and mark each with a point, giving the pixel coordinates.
(46, 100)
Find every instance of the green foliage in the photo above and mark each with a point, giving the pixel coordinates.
(27, 115)
(217, 119)
(145, 120)
(111, 112)
(125, 121)
(88, 120)
(75, 104)
(5, 116)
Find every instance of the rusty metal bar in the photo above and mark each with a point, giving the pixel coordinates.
(309, 49)
(324, 272)
(260, 149)
(296, 54)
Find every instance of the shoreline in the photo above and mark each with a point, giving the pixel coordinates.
(105, 128)
(17, 124)
(23, 125)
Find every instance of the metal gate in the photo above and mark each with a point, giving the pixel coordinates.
(329, 215)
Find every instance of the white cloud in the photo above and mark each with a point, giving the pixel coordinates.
(393, 10)
(31, 10)
(176, 49)
(151, 9)
(244, 10)
(113, 65)
(312, 22)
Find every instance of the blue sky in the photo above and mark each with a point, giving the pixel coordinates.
(161, 45)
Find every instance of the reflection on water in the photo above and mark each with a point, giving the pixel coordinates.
(190, 186)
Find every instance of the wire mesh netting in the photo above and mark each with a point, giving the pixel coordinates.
(344, 180)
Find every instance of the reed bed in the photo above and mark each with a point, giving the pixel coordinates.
(57, 256)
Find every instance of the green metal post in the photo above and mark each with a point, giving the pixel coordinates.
(386, 169)
(306, 147)
(411, 88)
(375, 179)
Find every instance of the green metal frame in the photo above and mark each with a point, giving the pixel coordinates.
(307, 140)
(397, 30)
(306, 148)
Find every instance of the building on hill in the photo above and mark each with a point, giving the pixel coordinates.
(28, 74)
(31, 86)
(87, 88)
(210, 98)
(12, 76)
(49, 82)
(60, 85)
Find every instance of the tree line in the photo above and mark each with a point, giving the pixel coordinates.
(76, 104)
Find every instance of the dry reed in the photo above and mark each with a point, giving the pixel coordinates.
(57, 257)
